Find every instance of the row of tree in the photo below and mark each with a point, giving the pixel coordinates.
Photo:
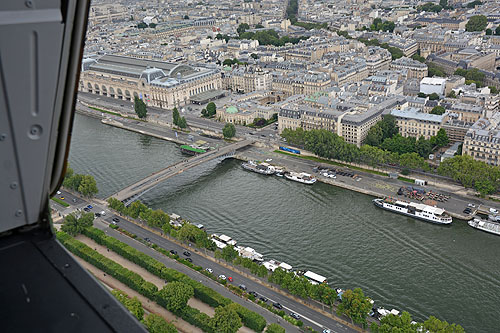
(483, 177)
(329, 145)
(405, 323)
(159, 219)
(83, 184)
(379, 25)
(140, 108)
(174, 297)
(472, 75)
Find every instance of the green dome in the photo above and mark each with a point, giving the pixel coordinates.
(232, 109)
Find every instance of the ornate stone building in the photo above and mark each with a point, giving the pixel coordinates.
(159, 84)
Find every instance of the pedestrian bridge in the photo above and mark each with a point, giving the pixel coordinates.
(134, 191)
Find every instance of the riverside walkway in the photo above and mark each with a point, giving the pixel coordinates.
(134, 191)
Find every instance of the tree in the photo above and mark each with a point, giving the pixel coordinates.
(204, 113)
(211, 109)
(88, 186)
(175, 116)
(186, 17)
(433, 97)
(225, 320)
(259, 26)
(242, 28)
(142, 25)
(439, 110)
(228, 62)
(442, 138)
(421, 95)
(354, 305)
(132, 304)
(489, 32)
(152, 25)
(229, 253)
(275, 328)
(229, 131)
(182, 123)
(140, 107)
(156, 324)
(452, 94)
(493, 90)
(174, 296)
(424, 147)
(497, 31)
(474, 4)
(74, 225)
(254, 56)
(476, 23)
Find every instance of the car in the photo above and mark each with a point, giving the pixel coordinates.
(326, 330)
(493, 210)
(187, 253)
(74, 200)
(113, 223)
(278, 305)
(209, 270)
(97, 215)
(230, 279)
(253, 293)
(173, 252)
(58, 192)
(294, 315)
(271, 135)
(263, 299)
(263, 135)
(189, 259)
(467, 211)
(242, 287)
(62, 198)
(222, 277)
(103, 213)
(115, 219)
(471, 205)
(269, 160)
(90, 207)
(147, 239)
(86, 209)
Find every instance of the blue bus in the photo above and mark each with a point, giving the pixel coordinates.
(295, 151)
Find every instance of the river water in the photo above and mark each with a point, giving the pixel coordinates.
(450, 272)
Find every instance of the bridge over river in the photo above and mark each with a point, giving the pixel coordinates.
(134, 191)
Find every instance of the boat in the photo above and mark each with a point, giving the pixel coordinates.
(262, 168)
(279, 172)
(192, 150)
(301, 177)
(484, 225)
(417, 210)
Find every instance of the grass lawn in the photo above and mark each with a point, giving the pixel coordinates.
(406, 179)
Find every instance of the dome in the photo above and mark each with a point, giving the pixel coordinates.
(232, 109)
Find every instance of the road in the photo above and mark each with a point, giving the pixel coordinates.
(309, 316)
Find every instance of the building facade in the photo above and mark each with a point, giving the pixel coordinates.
(161, 84)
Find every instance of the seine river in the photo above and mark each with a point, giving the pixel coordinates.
(425, 269)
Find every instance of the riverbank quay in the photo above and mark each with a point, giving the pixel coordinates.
(371, 183)
(141, 236)
(367, 183)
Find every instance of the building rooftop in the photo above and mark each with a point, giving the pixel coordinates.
(414, 113)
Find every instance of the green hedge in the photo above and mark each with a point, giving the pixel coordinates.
(61, 202)
(203, 293)
(127, 277)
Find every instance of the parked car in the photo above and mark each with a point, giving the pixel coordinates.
(61, 197)
(294, 315)
(187, 253)
(230, 279)
(90, 207)
(103, 213)
(278, 306)
(58, 192)
(493, 210)
(209, 270)
(97, 215)
(263, 299)
(471, 205)
(86, 209)
(115, 219)
(253, 293)
(189, 259)
(173, 252)
(222, 277)
(326, 330)
(242, 287)
(147, 239)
